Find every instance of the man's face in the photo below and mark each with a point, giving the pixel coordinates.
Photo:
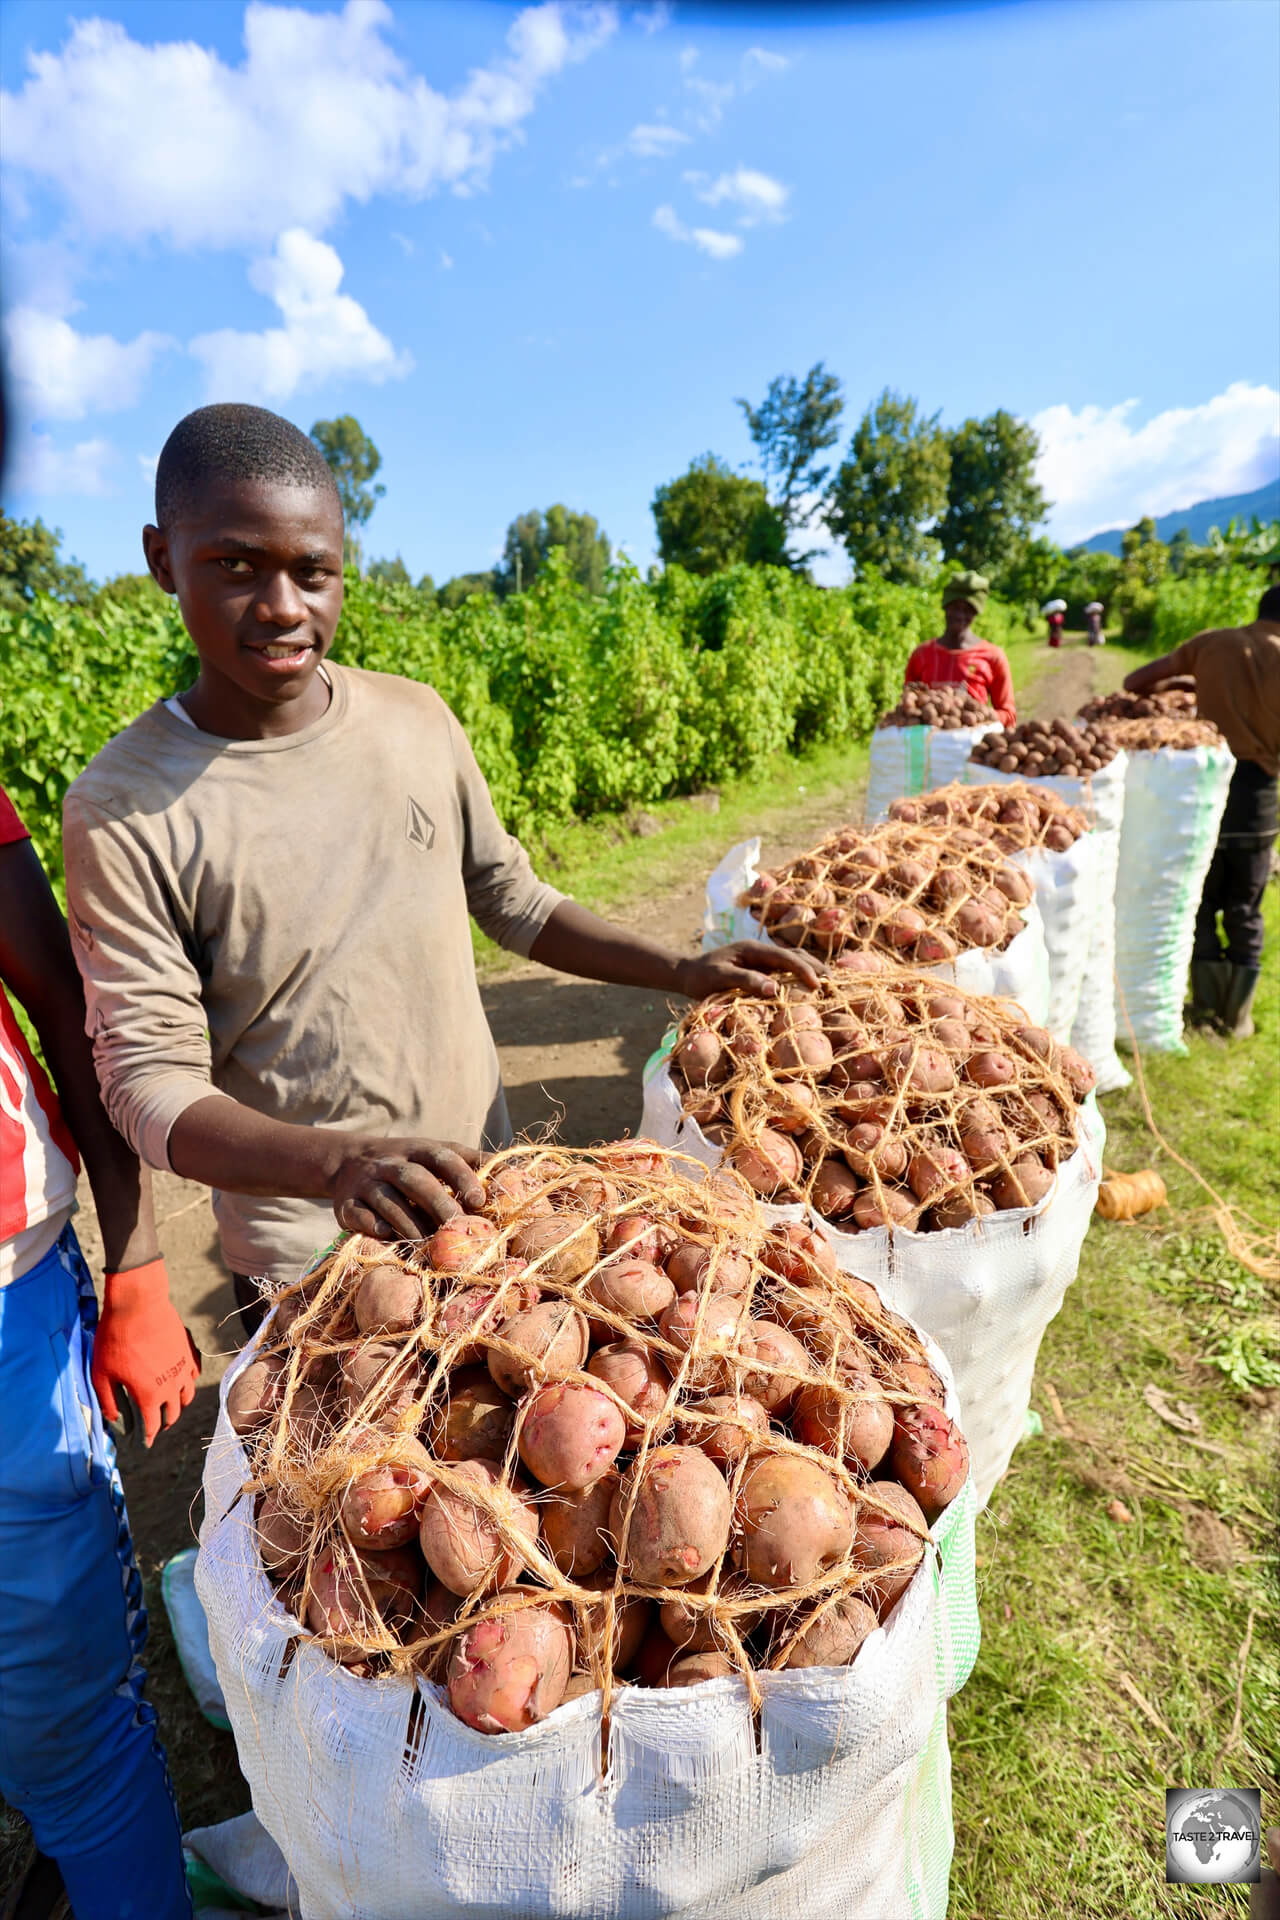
(257, 571)
(957, 616)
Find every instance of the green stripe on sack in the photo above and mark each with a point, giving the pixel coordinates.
(917, 758)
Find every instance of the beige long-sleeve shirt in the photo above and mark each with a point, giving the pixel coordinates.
(1237, 675)
(286, 921)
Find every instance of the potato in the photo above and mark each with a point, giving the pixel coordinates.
(714, 1321)
(254, 1395)
(692, 1668)
(634, 1236)
(462, 1310)
(283, 1533)
(721, 1268)
(635, 1289)
(579, 1685)
(926, 1069)
(550, 1342)
(936, 945)
(474, 1421)
(462, 1542)
(936, 1170)
(353, 1596)
(929, 1456)
(692, 1629)
(670, 1517)
(793, 1251)
(575, 1527)
(742, 1421)
(793, 1521)
(560, 1247)
(654, 1659)
(632, 1618)
(958, 1209)
(570, 1434)
(983, 1144)
(780, 1365)
(771, 1164)
(794, 1054)
(459, 1246)
(1079, 1075)
(1023, 1183)
(833, 1634)
(367, 1389)
(976, 925)
(380, 1506)
(701, 1058)
(834, 1191)
(638, 1377)
(513, 1191)
(508, 1671)
(891, 1207)
(389, 1300)
(1015, 886)
(989, 1068)
(917, 1376)
(868, 1421)
(890, 1527)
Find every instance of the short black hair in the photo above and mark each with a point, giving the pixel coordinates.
(1269, 605)
(234, 442)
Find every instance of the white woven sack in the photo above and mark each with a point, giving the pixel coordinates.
(910, 760)
(1173, 806)
(385, 1806)
(985, 1292)
(1020, 973)
(1075, 892)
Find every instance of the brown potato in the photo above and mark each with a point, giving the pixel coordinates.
(692, 1668)
(474, 1420)
(462, 1542)
(550, 1342)
(560, 1247)
(792, 1519)
(254, 1395)
(390, 1300)
(835, 1190)
(670, 1517)
(575, 1528)
(833, 1635)
(890, 1528)
(283, 1533)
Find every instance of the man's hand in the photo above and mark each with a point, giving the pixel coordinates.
(142, 1346)
(746, 966)
(404, 1189)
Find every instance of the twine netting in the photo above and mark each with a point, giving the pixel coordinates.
(893, 1102)
(919, 892)
(409, 1385)
(949, 706)
(1013, 817)
(1165, 732)
(1035, 748)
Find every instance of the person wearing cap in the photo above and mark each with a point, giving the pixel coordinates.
(1237, 680)
(958, 657)
(1093, 615)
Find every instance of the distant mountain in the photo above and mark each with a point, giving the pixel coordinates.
(1265, 502)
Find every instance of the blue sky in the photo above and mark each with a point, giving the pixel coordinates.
(539, 252)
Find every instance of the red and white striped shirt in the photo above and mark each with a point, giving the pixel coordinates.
(38, 1159)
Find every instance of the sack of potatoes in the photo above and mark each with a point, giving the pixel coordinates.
(948, 707)
(614, 1429)
(1036, 747)
(1014, 819)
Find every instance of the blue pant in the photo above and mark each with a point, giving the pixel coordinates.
(79, 1754)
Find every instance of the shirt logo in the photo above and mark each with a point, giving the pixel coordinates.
(419, 827)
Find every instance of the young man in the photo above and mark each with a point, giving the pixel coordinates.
(270, 878)
(1237, 680)
(958, 657)
(78, 1749)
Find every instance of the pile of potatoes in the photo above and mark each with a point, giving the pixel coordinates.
(1014, 819)
(1165, 703)
(918, 893)
(615, 1428)
(946, 706)
(1036, 748)
(893, 1101)
(1161, 731)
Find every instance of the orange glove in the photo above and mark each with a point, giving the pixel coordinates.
(142, 1346)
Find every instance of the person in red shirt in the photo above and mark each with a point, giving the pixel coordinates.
(958, 657)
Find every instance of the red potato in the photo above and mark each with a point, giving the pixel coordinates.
(917, 1376)
(632, 1618)
(793, 1251)
(354, 1596)
(368, 1388)
(513, 1191)
(776, 1368)
(714, 1320)
(959, 1209)
(670, 1517)
(740, 1424)
(867, 1421)
(835, 1190)
(701, 1059)
(634, 1289)
(795, 1054)
(936, 945)
(890, 1533)
(464, 1309)
(585, 1193)
(380, 1507)
(891, 1207)
(1015, 886)
(793, 1521)
(692, 1629)
(254, 1395)
(550, 1343)
(634, 1236)
(462, 1542)
(926, 1069)
(314, 1417)
(976, 925)
(929, 1455)
(771, 1164)
(575, 1528)
(389, 1300)
(560, 1247)
(474, 1422)
(796, 1016)
(867, 1151)
(283, 1534)
(1022, 1184)
(1079, 1075)
(459, 1246)
(510, 1670)
(935, 1170)
(721, 1268)
(791, 926)
(638, 1377)
(691, 1669)
(860, 962)
(654, 1659)
(989, 1068)
(570, 1434)
(833, 1635)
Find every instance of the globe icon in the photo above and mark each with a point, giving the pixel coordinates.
(1213, 1838)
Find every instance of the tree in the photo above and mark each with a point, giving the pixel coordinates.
(452, 594)
(711, 517)
(1035, 574)
(890, 489)
(31, 563)
(532, 535)
(353, 460)
(796, 422)
(389, 573)
(993, 501)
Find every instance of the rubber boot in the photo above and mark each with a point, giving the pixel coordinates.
(1209, 981)
(1237, 1019)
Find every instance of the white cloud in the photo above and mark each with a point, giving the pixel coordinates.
(720, 246)
(758, 60)
(60, 374)
(168, 141)
(325, 332)
(446, 260)
(711, 97)
(756, 196)
(1100, 470)
(149, 462)
(688, 59)
(404, 243)
(654, 142)
(40, 467)
(653, 19)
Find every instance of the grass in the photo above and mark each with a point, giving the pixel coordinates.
(1059, 1771)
